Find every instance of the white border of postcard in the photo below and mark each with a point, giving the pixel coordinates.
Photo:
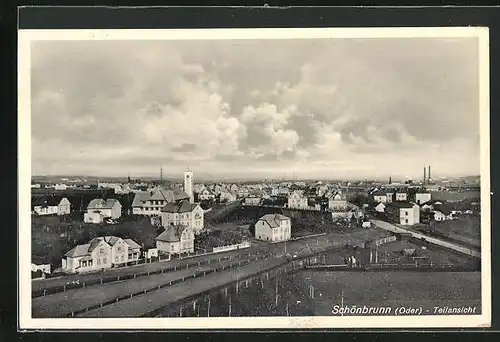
(24, 174)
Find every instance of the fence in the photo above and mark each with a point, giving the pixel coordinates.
(425, 238)
(244, 244)
(109, 279)
(284, 267)
(195, 274)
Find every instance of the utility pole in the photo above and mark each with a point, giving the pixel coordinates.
(276, 296)
(229, 306)
(208, 311)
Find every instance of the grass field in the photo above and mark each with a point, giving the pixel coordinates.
(52, 237)
(386, 289)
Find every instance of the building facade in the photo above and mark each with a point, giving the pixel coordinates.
(273, 228)
(183, 213)
(297, 200)
(101, 253)
(404, 213)
(175, 240)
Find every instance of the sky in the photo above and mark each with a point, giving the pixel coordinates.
(304, 108)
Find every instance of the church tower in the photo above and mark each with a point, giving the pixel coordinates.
(188, 185)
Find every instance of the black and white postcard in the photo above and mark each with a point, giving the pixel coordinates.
(254, 178)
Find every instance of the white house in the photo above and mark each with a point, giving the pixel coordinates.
(337, 202)
(98, 210)
(183, 213)
(380, 197)
(273, 228)
(380, 207)
(44, 268)
(390, 196)
(253, 200)
(206, 195)
(404, 213)
(61, 187)
(101, 253)
(297, 200)
(51, 205)
(175, 239)
(422, 197)
(227, 195)
(401, 196)
(151, 202)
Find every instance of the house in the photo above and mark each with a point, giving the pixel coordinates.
(401, 196)
(422, 197)
(51, 205)
(101, 253)
(273, 228)
(227, 196)
(151, 253)
(297, 200)
(99, 210)
(366, 224)
(60, 187)
(151, 202)
(253, 200)
(403, 212)
(444, 212)
(380, 197)
(430, 205)
(41, 270)
(183, 213)
(337, 201)
(175, 240)
(390, 196)
(206, 195)
(380, 207)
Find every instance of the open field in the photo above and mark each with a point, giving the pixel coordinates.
(315, 293)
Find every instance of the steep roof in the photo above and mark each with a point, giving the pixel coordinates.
(80, 250)
(172, 233)
(171, 194)
(180, 207)
(99, 203)
(401, 205)
(132, 244)
(46, 201)
(139, 198)
(273, 219)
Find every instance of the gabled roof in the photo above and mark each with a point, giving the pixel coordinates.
(139, 198)
(80, 250)
(379, 193)
(46, 201)
(171, 194)
(180, 207)
(172, 233)
(99, 203)
(273, 219)
(401, 205)
(342, 196)
(132, 244)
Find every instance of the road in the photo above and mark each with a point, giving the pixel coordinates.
(80, 299)
(51, 283)
(143, 304)
(459, 248)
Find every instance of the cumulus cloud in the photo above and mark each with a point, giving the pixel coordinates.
(314, 107)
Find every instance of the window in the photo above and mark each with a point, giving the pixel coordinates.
(406, 220)
(406, 213)
(120, 249)
(104, 261)
(102, 251)
(116, 259)
(98, 261)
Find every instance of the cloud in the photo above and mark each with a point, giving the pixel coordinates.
(251, 106)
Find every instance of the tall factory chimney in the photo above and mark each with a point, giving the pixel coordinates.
(429, 173)
(425, 177)
(390, 180)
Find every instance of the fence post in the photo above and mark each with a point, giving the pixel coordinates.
(83, 284)
(101, 281)
(64, 288)
(118, 278)
(44, 290)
